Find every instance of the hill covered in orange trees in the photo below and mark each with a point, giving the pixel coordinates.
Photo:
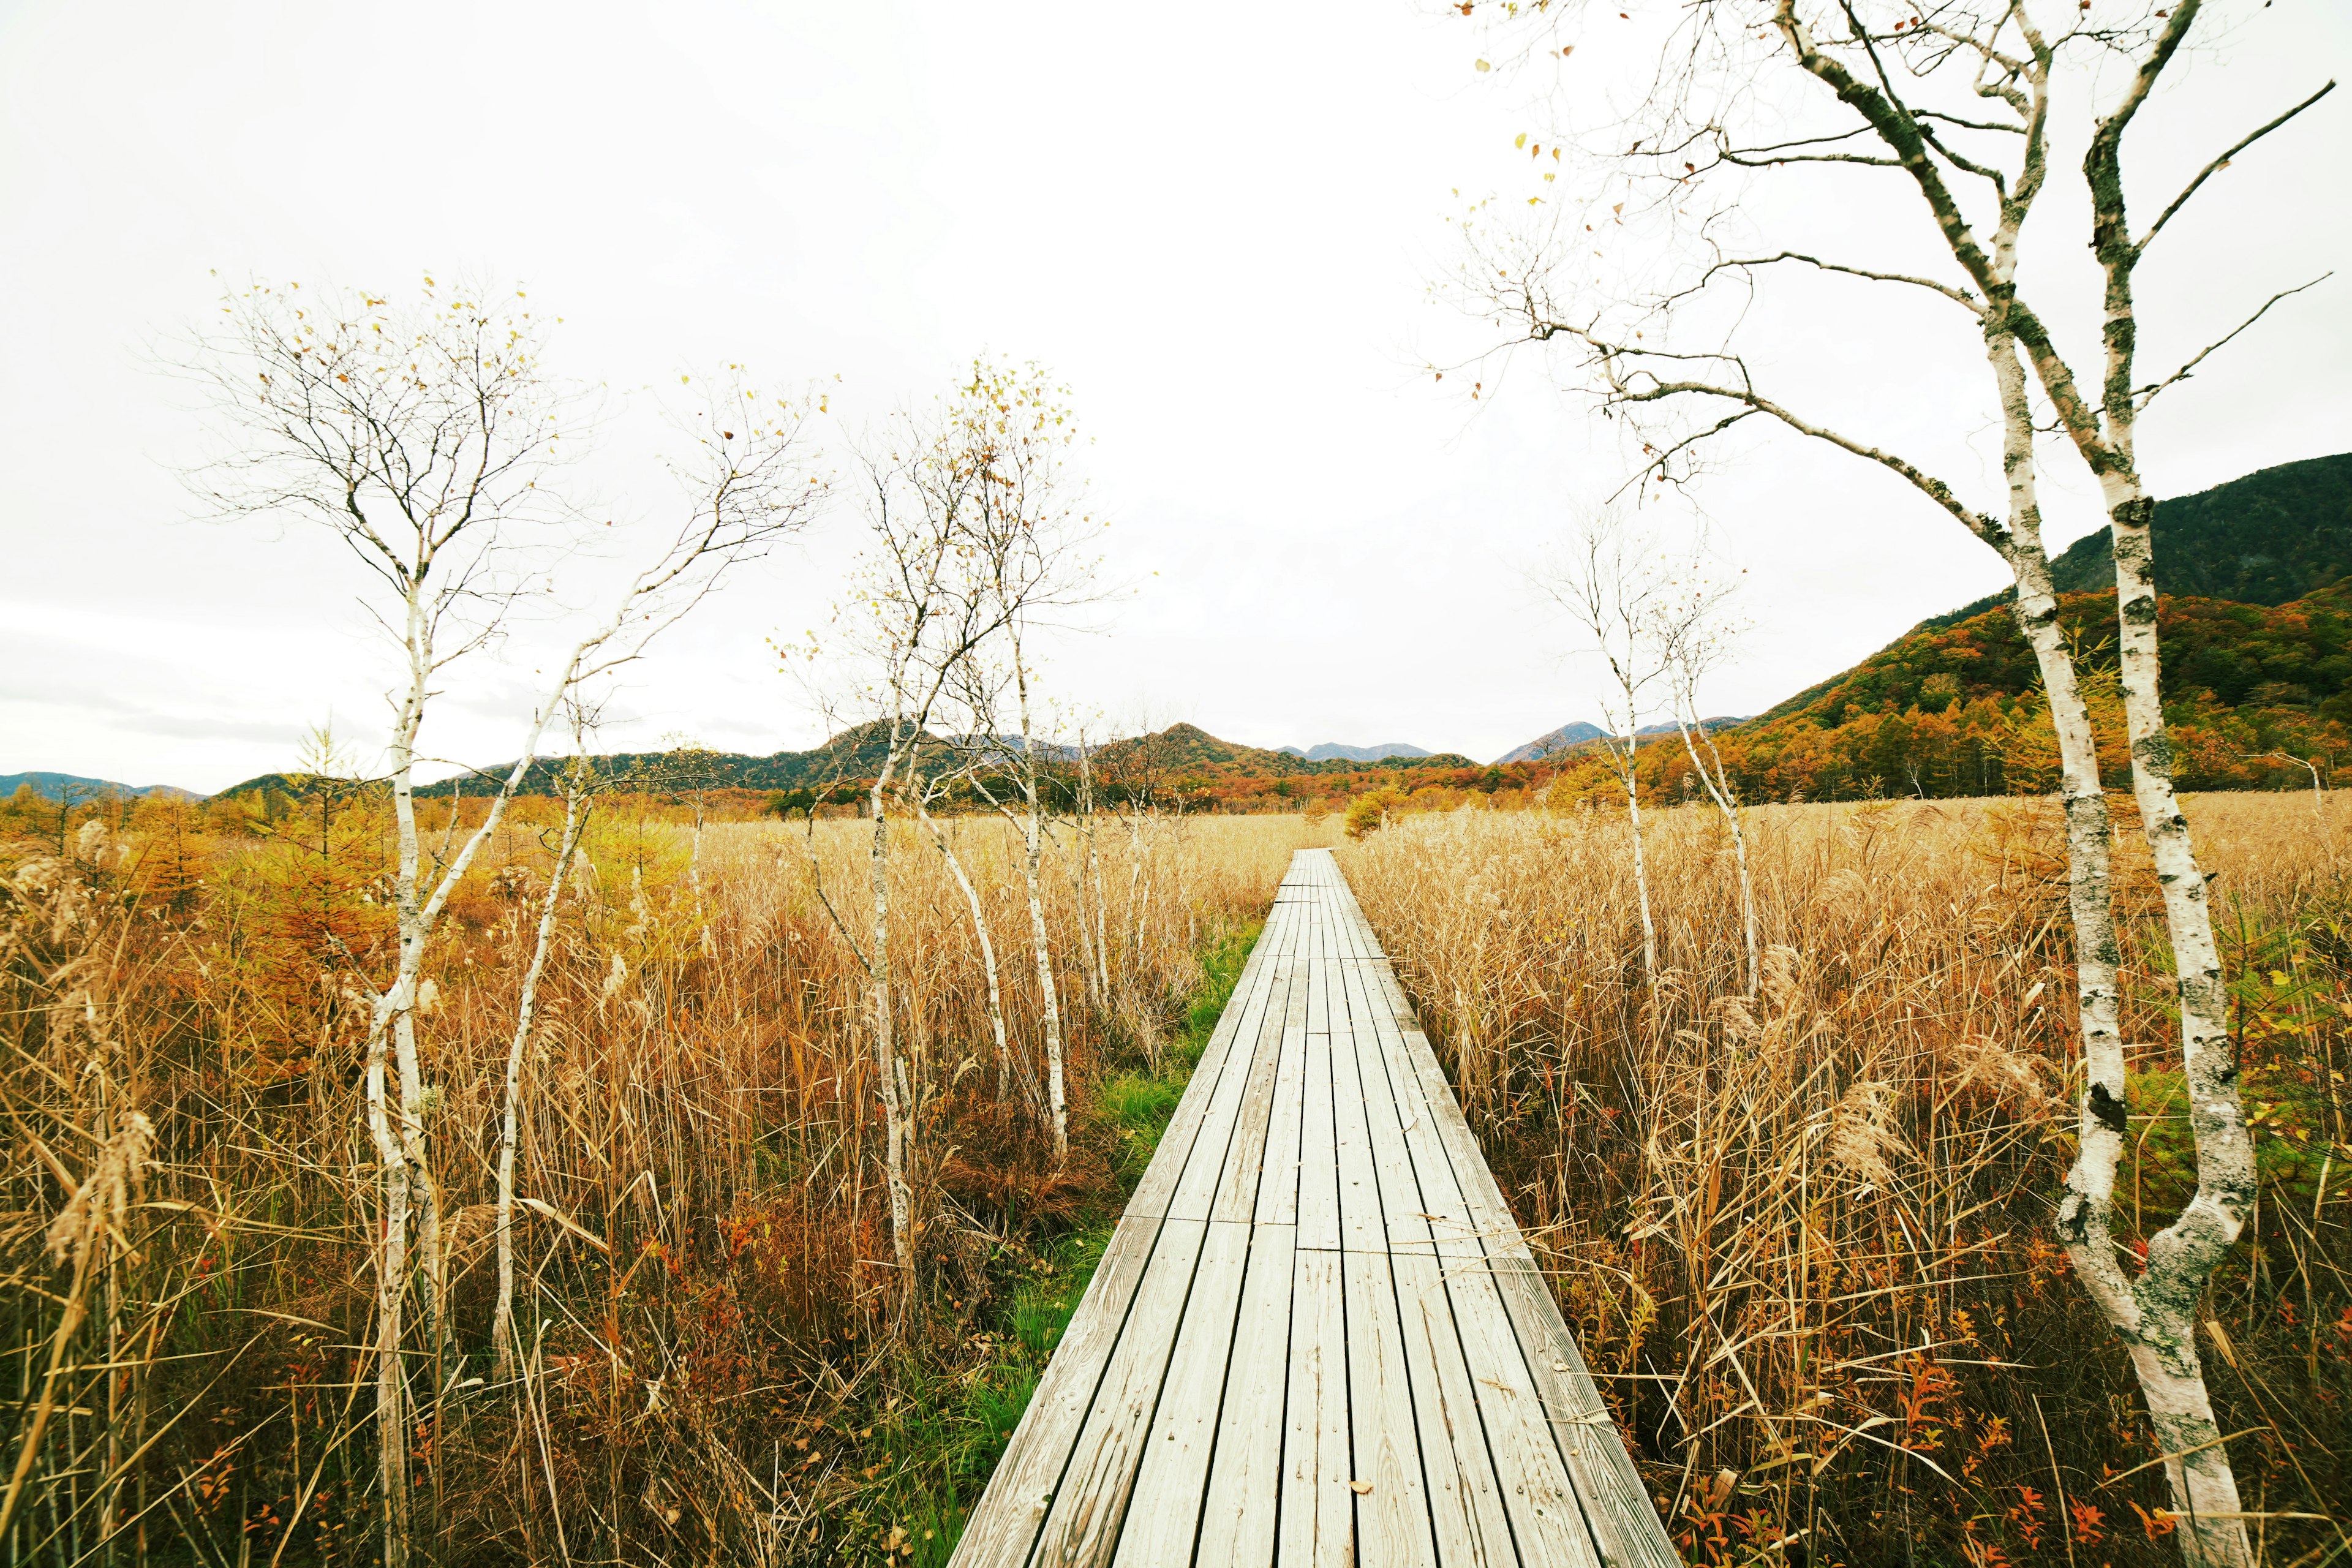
(2255, 621)
(1958, 709)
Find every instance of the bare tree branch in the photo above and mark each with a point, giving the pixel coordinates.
(2221, 163)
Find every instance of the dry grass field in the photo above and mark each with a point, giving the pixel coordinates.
(1807, 1237)
(706, 1290)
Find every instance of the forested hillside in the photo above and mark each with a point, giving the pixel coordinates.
(1957, 710)
(1183, 766)
(2270, 537)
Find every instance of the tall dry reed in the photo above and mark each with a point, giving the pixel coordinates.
(1806, 1234)
(704, 1278)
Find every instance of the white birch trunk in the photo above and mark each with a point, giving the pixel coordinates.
(1627, 777)
(2156, 1312)
(1719, 789)
(391, 1267)
(1032, 847)
(1057, 1102)
(883, 1020)
(2182, 1256)
(509, 1123)
(979, 915)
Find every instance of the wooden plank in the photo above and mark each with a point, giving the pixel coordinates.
(1618, 1509)
(1319, 1169)
(1277, 1192)
(1619, 1513)
(1004, 1525)
(1167, 1162)
(1537, 1495)
(1236, 1196)
(1165, 1508)
(1242, 1509)
(1361, 1226)
(1405, 1225)
(1318, 976)
(1453, 1228)
(1466, 1503)
(1082, 1526)
(1392, 1513)
(1212, 1145)
(1316, 1514)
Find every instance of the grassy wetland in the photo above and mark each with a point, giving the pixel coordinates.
(1805, 1236)
(719, 1362)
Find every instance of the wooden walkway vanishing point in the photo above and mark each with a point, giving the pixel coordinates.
(1317, 1335)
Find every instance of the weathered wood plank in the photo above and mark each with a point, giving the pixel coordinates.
(1316, 1513)
(1537, 1492)
(1392, 1513)
(1241, 1511)
(1195, 1191)
(1236, 1196)
(1623, 1520)
(1466, 1503)
(1277, 1192)
(1361, 1226)
(1453, 1229)
(1165, 1508)
(1405, 1223)
(1082, 1526)
(1618, 1514)
(1319, 1150)
(1153, 1192)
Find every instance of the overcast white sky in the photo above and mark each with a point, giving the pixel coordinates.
(1218, 225)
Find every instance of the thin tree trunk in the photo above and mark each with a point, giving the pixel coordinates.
(1079, 917)
(1032, 847)
(1632, 783)
(2182, 1256)
(1719, 789)
(2083, 1214)
(392, 1266)
(503, 1317)
(1094, 875)
(887, 1066)
(987, 947)
(1056, 1106)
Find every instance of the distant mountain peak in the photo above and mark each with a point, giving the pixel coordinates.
(1331, 751)
(1559, 740)
(1578, 733)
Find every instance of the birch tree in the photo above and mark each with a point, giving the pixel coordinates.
(1907, 91)
(2156, 1311)
(922, 610)
(750, 482)
(417, 435)
(1613, 587)
(923, 792)
(1033, 557)
(1694, 639)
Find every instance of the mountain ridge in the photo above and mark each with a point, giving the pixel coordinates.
(53, 786)
(1332, 751)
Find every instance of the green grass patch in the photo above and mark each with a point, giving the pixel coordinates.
(945, 1443)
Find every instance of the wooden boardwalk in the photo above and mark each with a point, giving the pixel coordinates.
(1317, 1336)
